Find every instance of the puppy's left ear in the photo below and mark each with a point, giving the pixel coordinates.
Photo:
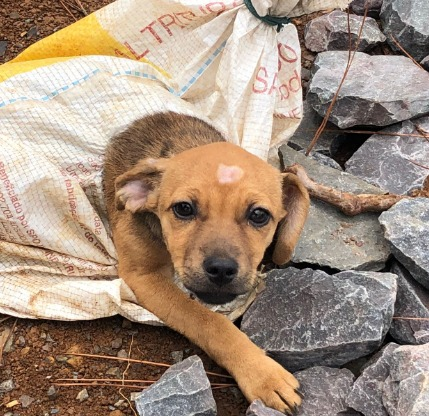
(137, 189)
(296, 202)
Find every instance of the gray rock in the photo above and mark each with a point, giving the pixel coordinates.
(412, 301)
(364, 98)
(117, 343)
(366, 395)
(52, 392)
(325, 390)
(6, 386)
(184, 389)
(257, 408)
(3, 47)
(374, 6)
(425, 63)
(323, 160)
(348, 242)
(26, 400)
(330, 32)
(406, 227)
(407, 389)
(303, 135)
(306, 318)
(177, 356)
(407, 22)
(392, 162)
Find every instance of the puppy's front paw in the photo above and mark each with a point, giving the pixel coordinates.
(269, 381)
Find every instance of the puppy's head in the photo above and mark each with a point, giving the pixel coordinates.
(220, 208)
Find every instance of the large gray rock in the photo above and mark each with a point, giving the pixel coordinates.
(366, 395)
(325, 390)
(379, 90)
(407, 21)
(406, 227)
(330, 32)
(412, 301)
(330, 238)
(392, 162)
(374, 6)
(257, 408)
(406, 390)
(306, 318)
(183, 390)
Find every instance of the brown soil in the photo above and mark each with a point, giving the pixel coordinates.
(36, 354)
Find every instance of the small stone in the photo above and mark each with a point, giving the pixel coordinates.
(335, 384)
(120, 403)
(47, 348)
(82, 395)
(257, 408)
(33, 31)
(15, 15)
(49, 338)
(3, 47)
(96, 349)
(75, 362)
(122, 354)
(117, 343)
(54, 411)
(307, 318)
(6, 386)
(332, 32)
(26, 400)
(43, 335)
(406, 227)
(366, 393)
(364, 98)
(134, 395)
(177, 356)
(52, 392)
(20, 342)
(25, 351)
(61, 358)
(114, 371)
(183, 389)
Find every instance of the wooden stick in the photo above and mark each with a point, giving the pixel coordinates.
(348, 203)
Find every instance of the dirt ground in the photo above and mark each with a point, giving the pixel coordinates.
(35, 355)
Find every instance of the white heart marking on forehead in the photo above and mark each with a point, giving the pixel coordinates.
(229, 174)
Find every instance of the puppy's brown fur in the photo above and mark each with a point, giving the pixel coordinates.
(166, 165)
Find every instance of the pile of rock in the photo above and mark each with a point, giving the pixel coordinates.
(340, 317)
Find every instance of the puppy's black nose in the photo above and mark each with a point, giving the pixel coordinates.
(220, 270)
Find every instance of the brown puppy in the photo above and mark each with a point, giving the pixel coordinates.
(181, 199)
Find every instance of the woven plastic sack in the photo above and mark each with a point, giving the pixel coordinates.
(63, 98)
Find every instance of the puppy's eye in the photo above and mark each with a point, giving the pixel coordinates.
(259, 217)
(184, 210)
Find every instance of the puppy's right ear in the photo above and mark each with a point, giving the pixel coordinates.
(137, 189)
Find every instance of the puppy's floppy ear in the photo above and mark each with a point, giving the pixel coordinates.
(296, 202)
(137, 189)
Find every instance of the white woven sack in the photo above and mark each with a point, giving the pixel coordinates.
(211, 59)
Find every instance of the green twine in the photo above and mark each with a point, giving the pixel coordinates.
(269, 20)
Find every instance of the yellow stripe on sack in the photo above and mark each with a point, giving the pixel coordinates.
(85, 37)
